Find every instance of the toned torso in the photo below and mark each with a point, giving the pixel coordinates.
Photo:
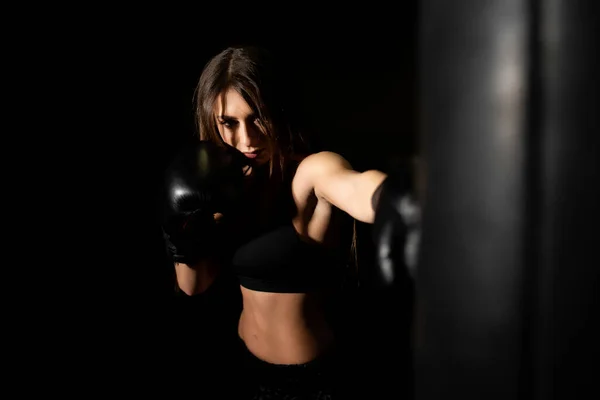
(291, 328)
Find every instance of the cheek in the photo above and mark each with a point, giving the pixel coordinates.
(226, 135)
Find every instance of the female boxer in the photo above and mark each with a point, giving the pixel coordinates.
(281, 219)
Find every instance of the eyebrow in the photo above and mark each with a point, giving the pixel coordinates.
(225, 117)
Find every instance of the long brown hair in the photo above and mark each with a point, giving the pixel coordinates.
(252, 72)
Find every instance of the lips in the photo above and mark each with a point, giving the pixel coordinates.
(252, 154)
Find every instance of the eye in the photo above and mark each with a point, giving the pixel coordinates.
(229, 123)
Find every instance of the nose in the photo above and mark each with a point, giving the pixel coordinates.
(247, 135)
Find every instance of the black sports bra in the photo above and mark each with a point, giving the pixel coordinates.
(281, 262)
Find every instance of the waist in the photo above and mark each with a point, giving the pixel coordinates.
(284, 330)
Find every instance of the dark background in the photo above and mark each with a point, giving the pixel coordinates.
(119, 83)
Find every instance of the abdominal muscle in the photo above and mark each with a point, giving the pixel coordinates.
(284, 328)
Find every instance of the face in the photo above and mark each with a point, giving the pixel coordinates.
(239, 127)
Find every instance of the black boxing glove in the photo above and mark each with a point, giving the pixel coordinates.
(203, 180)
(396, 229)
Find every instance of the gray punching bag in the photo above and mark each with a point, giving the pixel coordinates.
(509, 251)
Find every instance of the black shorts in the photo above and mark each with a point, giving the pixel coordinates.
(317, 379)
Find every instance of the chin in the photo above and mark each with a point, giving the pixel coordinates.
(260, 162)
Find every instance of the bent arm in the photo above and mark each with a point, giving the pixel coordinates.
(334, 181)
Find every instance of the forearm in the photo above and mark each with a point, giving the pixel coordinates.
(352, 192)
(197, 278)
(333, 180)
(360, 206)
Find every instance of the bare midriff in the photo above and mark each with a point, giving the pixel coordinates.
(284, 328)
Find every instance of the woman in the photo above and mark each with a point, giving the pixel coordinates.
(290, 232)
